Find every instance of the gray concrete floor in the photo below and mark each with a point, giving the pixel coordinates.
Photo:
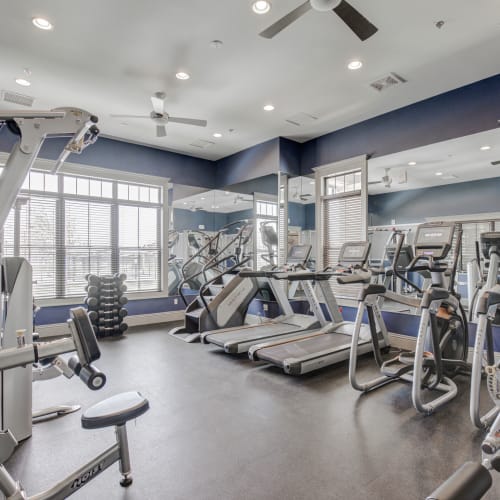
(222, 427)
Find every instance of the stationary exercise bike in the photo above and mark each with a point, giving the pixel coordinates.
(442, 339)
(115, 411)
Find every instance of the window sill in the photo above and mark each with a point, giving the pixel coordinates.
(81, 299)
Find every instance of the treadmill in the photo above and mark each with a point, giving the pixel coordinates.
(239, 339)
(305, 352)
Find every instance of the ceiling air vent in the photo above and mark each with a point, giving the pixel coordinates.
(495, 163)
(202, 144)
(301, 119)
(387, 81)
(15, 98)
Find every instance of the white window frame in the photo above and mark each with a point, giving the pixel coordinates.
(339, 167)
(114, 175)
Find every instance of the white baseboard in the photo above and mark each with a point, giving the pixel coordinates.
(58, 329)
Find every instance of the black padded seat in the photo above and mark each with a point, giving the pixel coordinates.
(116, 410)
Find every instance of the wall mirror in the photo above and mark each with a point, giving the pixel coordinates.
(456, 180)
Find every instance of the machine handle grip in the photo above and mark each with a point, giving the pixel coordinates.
(91, 376)
(470, 481)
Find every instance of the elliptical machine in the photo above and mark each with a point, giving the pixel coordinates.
(488, 312)
(442, 339)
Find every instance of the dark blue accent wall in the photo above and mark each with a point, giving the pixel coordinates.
(251, 163)
(296, 214)
(119, 155)
(186, 219)
(310, 216)
(464, 111)
(289, 160)
(415, 205)
(267, 184)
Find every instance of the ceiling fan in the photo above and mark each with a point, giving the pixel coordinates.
(358, 23)
(160, 117)
(386, 179)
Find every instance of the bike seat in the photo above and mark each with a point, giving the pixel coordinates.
(116, 410)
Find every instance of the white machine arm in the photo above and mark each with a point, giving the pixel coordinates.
(34, 127)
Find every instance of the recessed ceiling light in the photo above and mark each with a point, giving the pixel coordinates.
(485, 148)
(42, 23)
(217, 135)
(181, 75)
(185, 203)
(261, 7)
(268, 107)
(356, 64)
(23, 82)
(202, 198)
(439, 173)
(412, 163)
(312, 182)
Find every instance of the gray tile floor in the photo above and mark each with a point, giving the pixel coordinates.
(224, 428)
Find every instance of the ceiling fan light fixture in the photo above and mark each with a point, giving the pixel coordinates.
(23, 82)
(261, 7)
(324, 5)
(42, 23)
(355, 64)
(182, 75)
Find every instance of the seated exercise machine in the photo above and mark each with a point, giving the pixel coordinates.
(115, 411)
(314, 349)
(239, 339)
(473, 480)
(487, 308)
(442, 339)
(224, 297)
(18, 351)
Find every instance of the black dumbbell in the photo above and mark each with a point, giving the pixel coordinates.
(92, 279)
(113, 300)
(92, 290)
(121, 313)
(112, 320)
(111, 330)
(114, 288)
(92, 302)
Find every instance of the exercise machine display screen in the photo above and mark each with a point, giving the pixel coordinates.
(299, 253)
(434, 240)
(489, 240)
(354, 253)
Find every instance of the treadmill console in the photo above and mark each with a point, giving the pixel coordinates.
(354, 253)
(298, 255)
(434, 239)
(489, 242)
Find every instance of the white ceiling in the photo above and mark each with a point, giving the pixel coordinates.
(110, 56)
(459, 160)
(216, 201)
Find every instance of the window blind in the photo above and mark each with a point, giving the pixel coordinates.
(68, 226)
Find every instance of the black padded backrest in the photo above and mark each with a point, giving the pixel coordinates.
(86, 343)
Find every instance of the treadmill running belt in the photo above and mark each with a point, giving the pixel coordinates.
(257, 333)
(304, 348)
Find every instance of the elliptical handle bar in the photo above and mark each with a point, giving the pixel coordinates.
(394, 265)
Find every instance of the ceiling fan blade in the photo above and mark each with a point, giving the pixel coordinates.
(161, 131)
(358, 23)
(285, 21)
(158, 104)
(130, 116)
(187, 121)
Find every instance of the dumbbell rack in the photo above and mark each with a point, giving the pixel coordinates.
(105, 301)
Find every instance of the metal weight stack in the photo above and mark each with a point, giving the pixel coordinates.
(105, 301)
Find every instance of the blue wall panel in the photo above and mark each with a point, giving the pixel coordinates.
(415, 205)
(464, 111)
(289, 157)
(257, 161)
(118, 155)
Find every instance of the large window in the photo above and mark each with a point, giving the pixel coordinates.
(70, 225)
